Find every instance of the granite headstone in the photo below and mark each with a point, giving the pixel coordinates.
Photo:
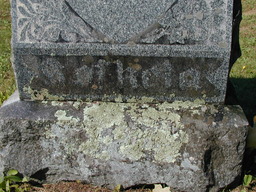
(165, 65)
(119, 50)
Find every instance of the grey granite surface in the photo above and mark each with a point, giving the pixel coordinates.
(120, 20)
(121, 79)
(127, 22)
(53, 40)
(189, 146)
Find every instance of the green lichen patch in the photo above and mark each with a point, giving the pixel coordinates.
(102, 115)
(99, 120)
(124, 131)
(41, 95)
(177, 105)
(156, 131)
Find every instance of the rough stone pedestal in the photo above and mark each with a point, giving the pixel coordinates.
(190, 146)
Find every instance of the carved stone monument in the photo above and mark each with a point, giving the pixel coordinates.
(123, 92)
(122, 50)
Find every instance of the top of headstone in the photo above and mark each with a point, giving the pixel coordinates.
(121, 20)
(162, 22)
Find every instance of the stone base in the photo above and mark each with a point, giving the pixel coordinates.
(190, 146)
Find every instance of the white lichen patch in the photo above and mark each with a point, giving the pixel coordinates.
(63, 136)
(141, 100)
(134, 151)
(151, 117)
(177, 105)
(132, 100)
(56, 103)
(213, 109)
(119, 99)
(164, 146)
(63, 119)
(187, 164)
(91, 148)
(147, 99)
(77, 104)
(195, 112)
(168, 148)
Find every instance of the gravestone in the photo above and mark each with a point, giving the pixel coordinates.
(123, 92)
(122, 50)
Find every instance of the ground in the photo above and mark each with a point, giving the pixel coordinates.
(80, 187)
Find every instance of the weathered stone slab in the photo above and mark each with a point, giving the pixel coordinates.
(189, 146)
(116, 50)
(119, 79)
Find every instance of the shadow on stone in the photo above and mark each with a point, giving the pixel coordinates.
(39, 177)
(245, 90)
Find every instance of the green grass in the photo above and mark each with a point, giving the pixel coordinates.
(7, 82)
(245, 67)
(243, 73)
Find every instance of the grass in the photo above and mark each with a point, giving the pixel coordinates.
(243, 73)
(245, 67)
(7, 82)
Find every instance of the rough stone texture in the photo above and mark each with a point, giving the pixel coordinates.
(137, 52)
(72, 42)
(189, 146)
(120, 79)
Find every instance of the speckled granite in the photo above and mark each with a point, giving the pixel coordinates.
(62, 36)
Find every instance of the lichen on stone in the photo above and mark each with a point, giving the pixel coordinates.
(177, 105)
(118, 99)
(155, 131)
(99, 118)
(141, 100)
(42, 94)
(77, 104)
(128, 131)
(102, 115)
(56, 103)
(63, 119)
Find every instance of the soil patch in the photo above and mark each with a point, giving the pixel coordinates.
(78, 187)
